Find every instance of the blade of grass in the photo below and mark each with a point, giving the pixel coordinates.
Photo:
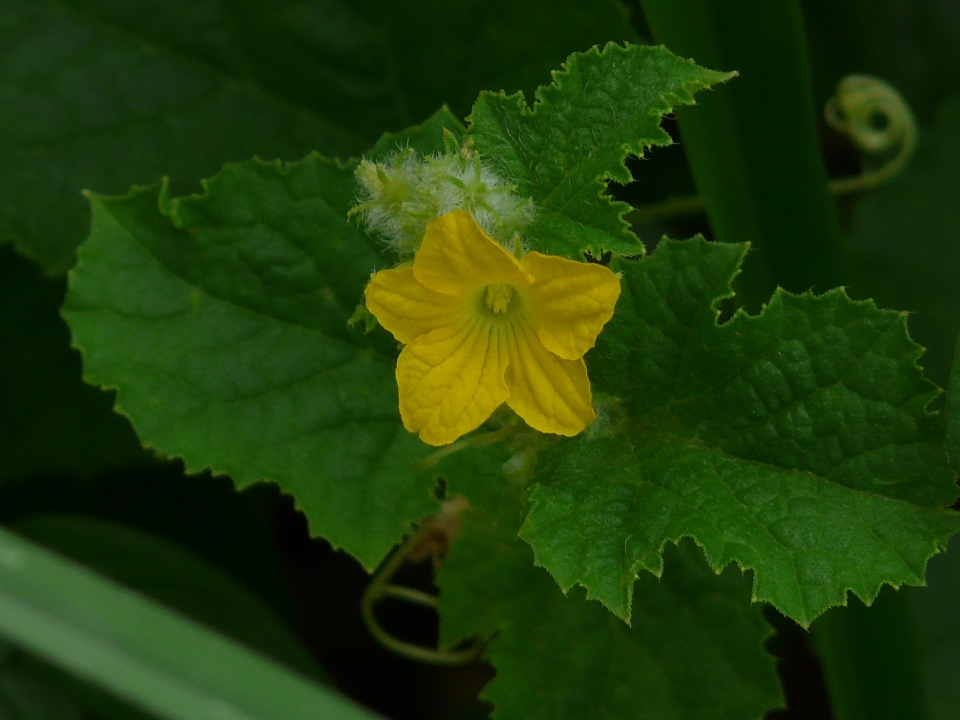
(862, 650)
(752, 143)
(141, 652)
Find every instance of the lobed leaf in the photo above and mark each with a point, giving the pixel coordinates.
(694, 650)
(600, 108)
(221, 321)
(795, 443)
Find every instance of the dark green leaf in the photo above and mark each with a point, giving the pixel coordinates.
(141, 652)
(602, 107)
(99, 94)
(88, 105)
(694, 649)
(375, 65)
(221, 320)
(795, 443)
(905, 240)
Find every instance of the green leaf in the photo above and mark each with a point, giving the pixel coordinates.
(795, 443)
(221, 321)
(601, 108)
(694, 650)
(100, 94)
(50, 421)
(141, 652)
(173, 576)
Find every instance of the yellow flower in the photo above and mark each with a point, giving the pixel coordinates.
(482, 328)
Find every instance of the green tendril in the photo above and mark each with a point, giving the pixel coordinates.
(879, 122)
(867, 110)
(380, 588)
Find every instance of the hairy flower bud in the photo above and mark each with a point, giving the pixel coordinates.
(404, 193)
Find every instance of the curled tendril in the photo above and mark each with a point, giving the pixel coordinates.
(432, 538)
(879, 122)
(867, 110)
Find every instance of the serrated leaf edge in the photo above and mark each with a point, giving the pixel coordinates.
(934, 392)
(619, 173)
(168, 207)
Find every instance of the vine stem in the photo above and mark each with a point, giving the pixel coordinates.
(380, 587)
(867, 110)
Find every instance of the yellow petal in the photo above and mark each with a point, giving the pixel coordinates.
(551, 394)
(570, 301)
(408, 309)
(457, 256)
(451, 381)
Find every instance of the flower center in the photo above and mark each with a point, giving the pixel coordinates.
(498, 297)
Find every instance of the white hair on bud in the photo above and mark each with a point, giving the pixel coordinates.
(405, 192)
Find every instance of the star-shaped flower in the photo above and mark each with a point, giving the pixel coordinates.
(482, 328)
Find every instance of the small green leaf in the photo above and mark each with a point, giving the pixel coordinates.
(694, 651)
(795, 443)
(602, 107)
(221, 321)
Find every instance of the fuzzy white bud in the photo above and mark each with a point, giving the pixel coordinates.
(405, 192)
